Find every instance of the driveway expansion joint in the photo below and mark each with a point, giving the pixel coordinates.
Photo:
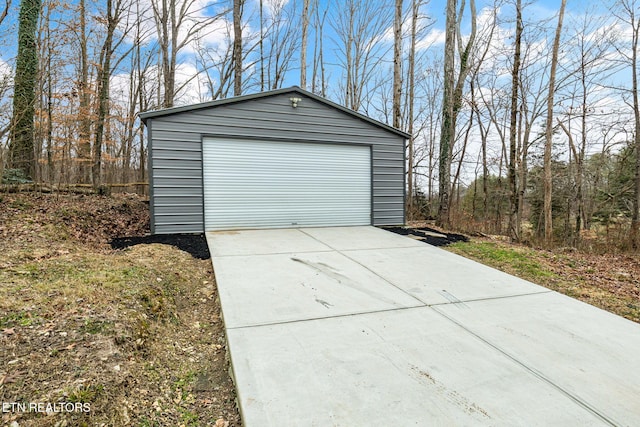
(532, 370)
(366, 267)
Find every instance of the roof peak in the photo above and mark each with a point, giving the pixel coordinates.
(144, 116)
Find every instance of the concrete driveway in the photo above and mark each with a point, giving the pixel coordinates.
(357, 326)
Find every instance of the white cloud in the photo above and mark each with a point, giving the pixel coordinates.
(6, 71)
(191, 85)
(433, 38)
(273, 7)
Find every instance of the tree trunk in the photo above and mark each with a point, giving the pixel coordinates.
(635, 217)
(237, 46)
(580, 215)
(447, 133)
(465, 54)
(514, 231)
(50, 168)
(318, 82)
(21, 148)
(349, 46)
(412, 87)
(261, 44)
(523, 164)
(84, 143)
(397, 63)
(548, 182)
(103, 77)
(303, 44)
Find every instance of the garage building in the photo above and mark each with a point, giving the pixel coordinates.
(284, 158)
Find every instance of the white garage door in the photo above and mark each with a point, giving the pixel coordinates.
(258, 184)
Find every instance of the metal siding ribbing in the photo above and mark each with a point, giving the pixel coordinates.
(177, 190)
(257, 184)
(176, 151)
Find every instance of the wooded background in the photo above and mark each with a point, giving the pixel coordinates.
(525, 119)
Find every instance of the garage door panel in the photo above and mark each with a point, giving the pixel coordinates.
(258, 184)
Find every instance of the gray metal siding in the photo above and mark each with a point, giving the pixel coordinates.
(176, 152)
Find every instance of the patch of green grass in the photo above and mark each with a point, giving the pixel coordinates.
(85, 394)
(91, 272)
(56, 232)
(95, 326)
(183, 386)
(21, 204)
(185, 381)
(21, 318)
(519, 262)
(189, 418)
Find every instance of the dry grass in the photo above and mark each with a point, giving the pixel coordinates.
(608, 281)
(136, 334)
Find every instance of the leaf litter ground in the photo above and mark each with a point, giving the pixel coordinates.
(134, 333)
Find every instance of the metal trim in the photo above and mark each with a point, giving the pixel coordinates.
(204, 224)
(371, 186)
(150, 174)
(404, 183)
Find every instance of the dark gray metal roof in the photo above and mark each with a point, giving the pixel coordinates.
(294, 89)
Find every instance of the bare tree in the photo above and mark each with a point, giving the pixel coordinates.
(137, 99)
(415, 9)
(635, 219)
(84, 94)
(238, 6)
(548, 181)
(588, 67)
(282, 43)
(359, 27)
(261, 44)
(178, 23)
(319, 78)
(112, 20)
(425, 154)
(397, 64)
(533, 97)
(628, 15)
(303, 44)
(514, 226)
(483, 106)
(216, 65)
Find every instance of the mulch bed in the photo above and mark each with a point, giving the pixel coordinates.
(194, 244)
(423, 235)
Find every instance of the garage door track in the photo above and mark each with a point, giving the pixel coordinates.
(357, 326)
